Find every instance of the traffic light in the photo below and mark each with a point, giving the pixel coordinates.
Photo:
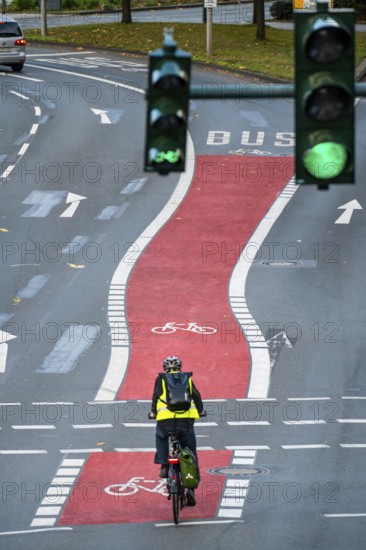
(324, 95)
(167, 108)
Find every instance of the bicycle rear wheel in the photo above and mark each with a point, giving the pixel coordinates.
(176, 507)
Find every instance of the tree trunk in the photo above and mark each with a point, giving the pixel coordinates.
(126, 11)
(261, 33)
(255, 12)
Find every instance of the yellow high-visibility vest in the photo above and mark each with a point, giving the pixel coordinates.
(162, 411)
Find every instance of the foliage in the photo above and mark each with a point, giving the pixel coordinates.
(282, 9)
(234, 46)
(23, 5)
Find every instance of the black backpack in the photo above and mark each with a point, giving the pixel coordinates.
(178, 396)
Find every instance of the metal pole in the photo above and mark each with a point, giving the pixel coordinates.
(43, 18)
(209, 31)
(3, 6)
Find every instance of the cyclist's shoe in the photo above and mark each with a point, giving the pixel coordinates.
(190, 498)
(164, 470)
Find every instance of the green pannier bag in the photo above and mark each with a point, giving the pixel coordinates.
(189, 469)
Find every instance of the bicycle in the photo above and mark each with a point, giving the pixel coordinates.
(177, 493)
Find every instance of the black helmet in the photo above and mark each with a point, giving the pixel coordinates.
(172, 363)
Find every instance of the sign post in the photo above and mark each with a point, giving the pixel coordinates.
(209, 5)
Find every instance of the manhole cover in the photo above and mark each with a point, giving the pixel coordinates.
(281, 264)
(236, 471)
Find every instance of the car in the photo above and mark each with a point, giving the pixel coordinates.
(12, 44)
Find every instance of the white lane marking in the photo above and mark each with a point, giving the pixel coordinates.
(65, 355)
(316, 446)
(248, 423)
(8, 171)
(134, 186)
(353, 445)
(22, 96)
(23, 77)
(42, 203)
(135, 450)
(261, 365)
(58, 54)
(348, 208)
(193, 523)
(23, 148)
(34, 427)
(81, 451)
(81, 75)
(362, 515)
(351, 420)
(34, 286)
(29, 531)
(24, 452)
(47, 513)
(254, 447)
(352, 397)
(91, 426)
(104, 119)
(4, 338)
(307, 398)
(120, 347)
(74, 201)
(303, 422)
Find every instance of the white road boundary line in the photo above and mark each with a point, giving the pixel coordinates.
(260, 368)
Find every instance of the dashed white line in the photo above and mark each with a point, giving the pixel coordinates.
(315, 446)
(91, 426)
(351, 420)
(34, 427)
(24, 452)
(47, 513)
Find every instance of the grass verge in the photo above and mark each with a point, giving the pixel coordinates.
(234, 46)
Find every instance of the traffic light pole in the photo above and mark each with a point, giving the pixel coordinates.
(253, 91)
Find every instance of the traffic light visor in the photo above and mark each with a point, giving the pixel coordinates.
(328, 41)
(169, 77)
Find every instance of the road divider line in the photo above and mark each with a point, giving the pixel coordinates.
(260, 359)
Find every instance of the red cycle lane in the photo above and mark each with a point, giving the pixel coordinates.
(125, 487)
(177, 295)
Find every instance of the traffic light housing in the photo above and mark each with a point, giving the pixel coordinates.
(324, 95)
(167, 108)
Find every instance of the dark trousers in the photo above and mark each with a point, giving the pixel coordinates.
(163, 429)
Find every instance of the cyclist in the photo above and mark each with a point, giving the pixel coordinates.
(166, 420)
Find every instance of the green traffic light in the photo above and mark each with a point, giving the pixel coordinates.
(171, 157)
(326, 160)
(167, 108)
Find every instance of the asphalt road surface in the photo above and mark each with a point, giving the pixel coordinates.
(257, 284)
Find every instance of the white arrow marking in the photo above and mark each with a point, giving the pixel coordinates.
(75, 201)
(4, 337)
(103, 116)
(348, 208)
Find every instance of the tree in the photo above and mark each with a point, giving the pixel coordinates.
(258, 18)
(261, 33)
(126, 11)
